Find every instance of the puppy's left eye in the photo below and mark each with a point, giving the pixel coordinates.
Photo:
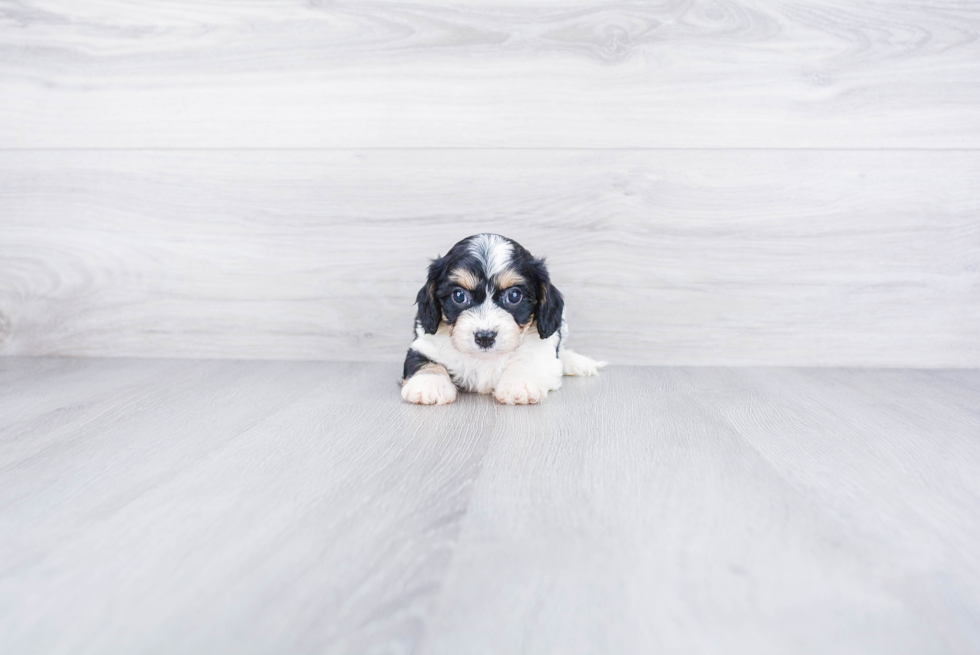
(513, 296)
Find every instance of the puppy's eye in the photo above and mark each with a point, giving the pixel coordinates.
(513, 296)
(460, 297)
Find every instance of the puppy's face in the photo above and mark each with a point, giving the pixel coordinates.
(491, 292)
(487, 315)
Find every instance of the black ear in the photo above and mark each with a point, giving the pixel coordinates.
(550, 303)
(429, 311)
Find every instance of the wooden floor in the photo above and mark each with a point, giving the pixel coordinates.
(273, 507)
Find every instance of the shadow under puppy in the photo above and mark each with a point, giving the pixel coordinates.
(490, 321)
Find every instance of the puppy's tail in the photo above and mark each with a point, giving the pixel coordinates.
(574, 364)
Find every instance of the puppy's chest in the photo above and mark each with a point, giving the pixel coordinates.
(479, 375)
(468, 373)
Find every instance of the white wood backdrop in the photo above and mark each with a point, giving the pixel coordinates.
(536, 73)
(714, 183)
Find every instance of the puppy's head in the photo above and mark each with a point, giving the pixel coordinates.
(491, 292)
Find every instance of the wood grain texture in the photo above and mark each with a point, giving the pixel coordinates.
(270, 507)
(226, 506)
(725, 511)
(665, 257)
(745, 73)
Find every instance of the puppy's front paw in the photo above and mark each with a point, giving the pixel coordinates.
(429, 389)
(520, 392)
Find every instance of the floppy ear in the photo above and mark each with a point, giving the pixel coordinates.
(429, 312)
(550, 303)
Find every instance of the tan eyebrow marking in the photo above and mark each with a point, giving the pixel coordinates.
(509, 278)
(464, 278)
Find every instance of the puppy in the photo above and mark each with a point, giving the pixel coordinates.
(490, 321)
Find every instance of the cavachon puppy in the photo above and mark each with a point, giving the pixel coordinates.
(490, 321)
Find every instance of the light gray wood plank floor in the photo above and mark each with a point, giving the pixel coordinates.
(272, 507)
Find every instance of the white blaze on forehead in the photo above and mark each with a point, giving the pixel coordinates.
(486, 309)
(493, 251)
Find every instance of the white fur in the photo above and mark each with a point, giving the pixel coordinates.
(534, 371)
(469, 372)
(574, 364)
(488, 316)
(429, 387)
(493, 251)
(522, 376)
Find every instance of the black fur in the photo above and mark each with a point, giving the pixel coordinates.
(414, 360)
(429, 313)
(551, 305)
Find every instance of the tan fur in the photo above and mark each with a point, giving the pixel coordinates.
(465, 279)
(432, 367)
(509, 278)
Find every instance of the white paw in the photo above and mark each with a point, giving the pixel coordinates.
(429, 389)
(520, 392)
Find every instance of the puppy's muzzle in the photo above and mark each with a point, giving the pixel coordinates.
(485, 338)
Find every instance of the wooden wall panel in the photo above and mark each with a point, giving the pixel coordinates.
(701, 73)
(666, 257)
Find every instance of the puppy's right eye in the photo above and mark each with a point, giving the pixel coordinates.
(460, 297)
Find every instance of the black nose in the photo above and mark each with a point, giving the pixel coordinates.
(485, 338)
